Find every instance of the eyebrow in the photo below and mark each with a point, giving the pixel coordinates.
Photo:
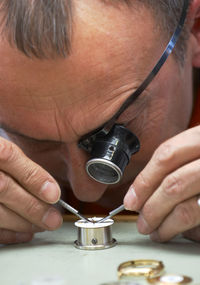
(13, 131)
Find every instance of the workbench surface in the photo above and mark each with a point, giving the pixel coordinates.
(52, 254)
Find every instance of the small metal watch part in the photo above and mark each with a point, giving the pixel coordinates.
(170, 279)
(140, 268)
(94, 235)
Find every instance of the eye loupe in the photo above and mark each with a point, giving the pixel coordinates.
(110, 154)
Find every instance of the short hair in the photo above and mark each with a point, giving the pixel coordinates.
(43, 28)
(39, 28)
(167, 13)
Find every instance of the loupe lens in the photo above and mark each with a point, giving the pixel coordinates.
(103, 171)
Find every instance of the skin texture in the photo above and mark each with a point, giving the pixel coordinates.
(58, 101)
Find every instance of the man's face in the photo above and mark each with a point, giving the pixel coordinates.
(58, 101)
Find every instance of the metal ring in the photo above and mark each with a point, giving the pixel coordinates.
(140, 268)
(170, 279)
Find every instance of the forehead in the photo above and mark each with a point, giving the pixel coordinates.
(113, 49)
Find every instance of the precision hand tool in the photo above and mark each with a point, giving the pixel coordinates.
(113, 213)
(72, 210)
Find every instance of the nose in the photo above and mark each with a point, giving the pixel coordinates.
(85, 188)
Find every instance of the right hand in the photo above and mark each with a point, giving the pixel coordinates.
(26, 192)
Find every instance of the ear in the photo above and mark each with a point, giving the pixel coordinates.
(194, 20)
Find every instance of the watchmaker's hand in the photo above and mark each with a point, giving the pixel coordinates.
(26, 190)
(166, 192)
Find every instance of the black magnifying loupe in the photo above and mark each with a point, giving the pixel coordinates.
(111, 153)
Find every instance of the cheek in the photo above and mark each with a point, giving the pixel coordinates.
(165, 114)
(176, 109)
(170, 104)
(174, 91)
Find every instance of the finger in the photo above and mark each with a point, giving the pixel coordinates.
(28, 174)
(11, 221)
(27, 206)
(193, 234)
(184, 217)
(171, 155)
(178, 186)
(9, 237)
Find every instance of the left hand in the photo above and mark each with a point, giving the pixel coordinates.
(166, 192)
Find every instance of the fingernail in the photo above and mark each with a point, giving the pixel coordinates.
(130, 200)
(23, 237)
(52, 219)
(142, 225)
(155, 236)
(50, 192)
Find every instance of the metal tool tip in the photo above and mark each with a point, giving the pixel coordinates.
(104, 219)
(86, 219)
